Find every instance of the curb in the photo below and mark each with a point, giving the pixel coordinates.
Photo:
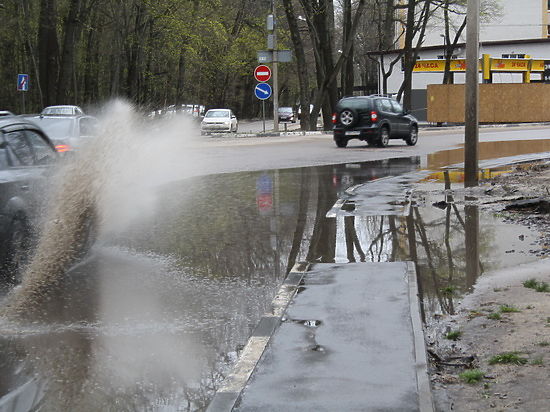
(425, 399)
(270, 134)
(228, 394)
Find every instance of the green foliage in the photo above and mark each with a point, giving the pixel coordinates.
(508, 358)
(449, 290)
(152, 51)
(508, 309)
(538, 361)
(530, 283)
(494, 316)
(472, 376)
(453, 335)
(536, 285)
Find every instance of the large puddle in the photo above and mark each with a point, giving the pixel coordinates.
(155, 317)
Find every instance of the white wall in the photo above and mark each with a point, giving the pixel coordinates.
(520, 19)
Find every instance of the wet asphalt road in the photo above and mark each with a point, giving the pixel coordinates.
(154, 318)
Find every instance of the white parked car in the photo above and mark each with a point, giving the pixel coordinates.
(63, 110)
(219, 120)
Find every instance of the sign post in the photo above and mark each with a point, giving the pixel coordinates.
(263, 92)
(23, 86)
(471, 129)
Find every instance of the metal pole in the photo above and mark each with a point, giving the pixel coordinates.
(275, 70)
(263, 113)
(471, 137)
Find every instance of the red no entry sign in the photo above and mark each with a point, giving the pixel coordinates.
(262, 73)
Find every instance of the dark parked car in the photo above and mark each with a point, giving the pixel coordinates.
(286, 114)
(374, 119)
(67, 132)
(25, 156)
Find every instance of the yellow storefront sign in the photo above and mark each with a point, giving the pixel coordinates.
(496, 65)
(438, 65)
(510, 65)
(537, 65)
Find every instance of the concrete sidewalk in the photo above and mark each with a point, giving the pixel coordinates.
(351, 339)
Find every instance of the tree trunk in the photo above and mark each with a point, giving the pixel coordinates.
(408, 55)
(450, 48)
(411, 53)
(330, 77)
(301, 63)
(48, 51)
(348, 77)
(73, 27)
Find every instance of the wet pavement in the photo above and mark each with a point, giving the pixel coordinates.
(351, 340)
(157, 316)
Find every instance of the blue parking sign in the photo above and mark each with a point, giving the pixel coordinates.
(23, 82)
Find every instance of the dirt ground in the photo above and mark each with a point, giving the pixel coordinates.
(488, 324)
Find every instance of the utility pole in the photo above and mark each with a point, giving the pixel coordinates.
(275, 70)
(471, 139)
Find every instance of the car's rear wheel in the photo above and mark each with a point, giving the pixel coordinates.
(384, 138)
(341, 142)
(412, 138)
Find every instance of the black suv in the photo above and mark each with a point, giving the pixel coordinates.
(374, 119)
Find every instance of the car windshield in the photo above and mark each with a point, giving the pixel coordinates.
(285, 109)
(217, 113)
(58, 110)
(354, 103)
(57, 127)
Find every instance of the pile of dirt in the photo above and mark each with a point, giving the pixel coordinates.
(502, 330)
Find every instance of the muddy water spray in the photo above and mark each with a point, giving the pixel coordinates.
(108, 183)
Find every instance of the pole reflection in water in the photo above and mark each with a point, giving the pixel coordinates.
(471, 240)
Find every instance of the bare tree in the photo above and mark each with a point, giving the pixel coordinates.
(48, 51)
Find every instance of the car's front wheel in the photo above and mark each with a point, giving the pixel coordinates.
(412, 138)
(341, 142)
(384, 138)
(18, 249)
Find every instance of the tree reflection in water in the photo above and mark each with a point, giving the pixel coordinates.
(443, 240)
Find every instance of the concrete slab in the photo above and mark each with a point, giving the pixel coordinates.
(351, 340)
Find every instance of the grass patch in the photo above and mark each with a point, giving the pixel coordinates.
(494, 316)
(508, 358)
(536, 285)
(538, 361)
(508, 309)
(472, 376)
(544, 343)
(530, 283)
(453, 335)
(449, 290)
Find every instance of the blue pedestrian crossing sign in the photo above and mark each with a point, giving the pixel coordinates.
(262, 91)
(23, 82)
